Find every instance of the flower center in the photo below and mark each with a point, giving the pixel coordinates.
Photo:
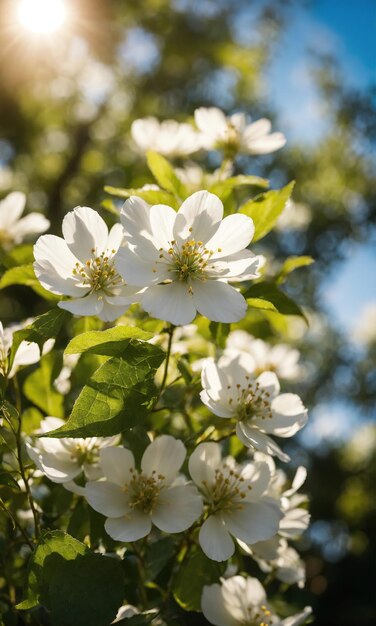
(99, 272)
(144, 490)
(258, 616)
(188, 261)
(85, 453)
(252, 401)
(227, 492)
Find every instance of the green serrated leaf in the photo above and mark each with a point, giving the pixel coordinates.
(110, 342)
(282, 302)
(117, 395)
(151, 196)
(291, 264)
(38, 386)
(25, 275)
(165, 175)
(266, 208)
(195, 572)
(224, 188)
(42, 328)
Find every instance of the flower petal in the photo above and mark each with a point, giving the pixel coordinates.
(162, 220)
(106, 498)
(131, 527)
(134, 268)
(198, 217)
(255, 521)
(289, 415)
(177, 508)
(32, 224)
(218, 407)
(234, 234)
(269, 382)
(11, 208)
(254, 438)
(171, 302)
(215, 540)
(59, 470)
(54, 264)
(214, 608)
(298, 618)
(165, 455)
(89, 305)
(203, 462)
(218, 301)
(116, 464)
(84, 231)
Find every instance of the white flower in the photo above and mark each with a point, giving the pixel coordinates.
(27, 353)
(231, 389)
(14, 230)
(168, 137)
(62, 460)
(195, 178)
(242, 601)
(280, 358)
(185, 260)
(82, 266)
(133, 500)
(233, 134)
(235, 502)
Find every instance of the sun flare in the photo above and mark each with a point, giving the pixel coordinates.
(42, 16)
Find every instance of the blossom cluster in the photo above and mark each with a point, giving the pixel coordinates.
(212, 481)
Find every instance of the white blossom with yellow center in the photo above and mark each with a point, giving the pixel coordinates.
(133, 500)
(62, 460)
(232, 389)
(13, 228)
(240, 601)
(184, 260)
(82, 266)
(235, 501)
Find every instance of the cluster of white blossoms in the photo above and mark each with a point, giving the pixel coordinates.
(175, 264)
(214, 131)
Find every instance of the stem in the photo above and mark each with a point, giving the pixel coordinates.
(18, 436)
(170, 331)
(16, 524)
(141, 574)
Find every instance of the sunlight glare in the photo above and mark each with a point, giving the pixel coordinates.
(41, 16)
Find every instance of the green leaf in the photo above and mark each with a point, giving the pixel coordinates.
(111, 342)
(224, 188)
(7, 479)
(269, 292)
(151, 196)
(117, 396)
(80, 588)
(266, 208)
(157, 555)
(86, 591)
(260, 303)
(38, 386)
(219, 331)
(25, 275)
(42, 565)
(42, 328)
(165, 175)
(195, 572)
(291, 264)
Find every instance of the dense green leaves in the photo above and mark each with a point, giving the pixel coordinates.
(195, 572)
(110, 342)
(165, 174)
(79, 587)
(266, 208)
(157, 556)
(38, 386)
(118, 394)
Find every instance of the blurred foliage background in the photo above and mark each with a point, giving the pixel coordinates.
(66, 105)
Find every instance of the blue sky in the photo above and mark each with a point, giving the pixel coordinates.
(347, 28)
